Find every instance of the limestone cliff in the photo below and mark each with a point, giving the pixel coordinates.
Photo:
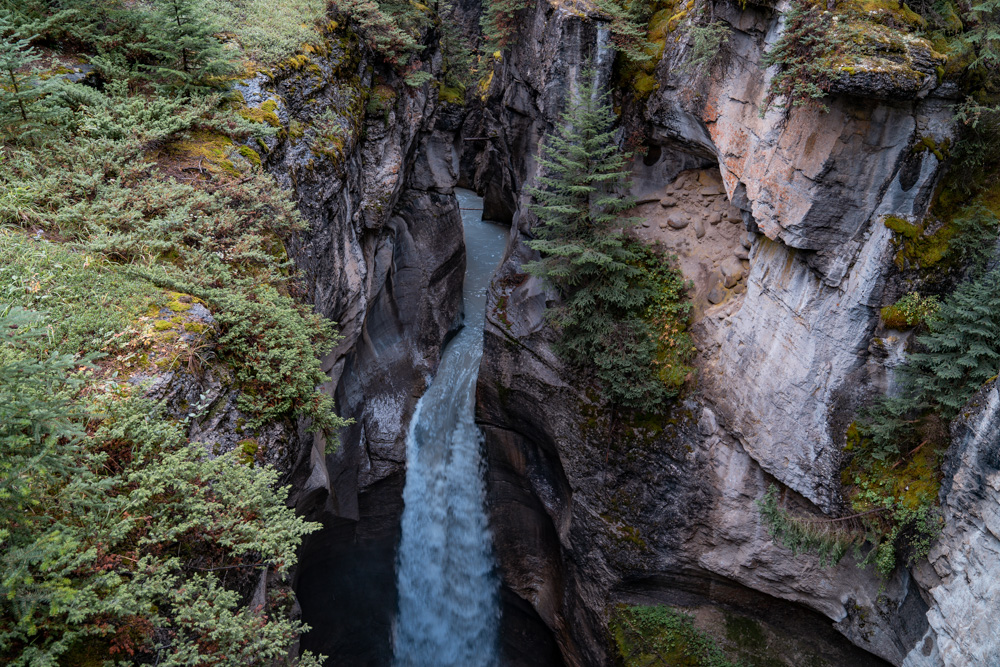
(789, 274)
(372, 163)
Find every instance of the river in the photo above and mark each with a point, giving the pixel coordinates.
(448, 589)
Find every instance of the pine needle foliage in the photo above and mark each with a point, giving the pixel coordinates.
(961, 352)
(499, 22)
(585, 254)
(132, 551)
(188, 56)
(803, 54)
(24, 113)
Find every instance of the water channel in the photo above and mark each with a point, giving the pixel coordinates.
(448, 591)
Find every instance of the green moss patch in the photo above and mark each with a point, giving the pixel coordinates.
(662, 637)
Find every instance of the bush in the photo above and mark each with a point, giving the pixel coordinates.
(804, 54)
(910, 311)
(129, 556)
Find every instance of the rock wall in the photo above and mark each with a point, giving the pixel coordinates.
(373, 163)
(589, 508)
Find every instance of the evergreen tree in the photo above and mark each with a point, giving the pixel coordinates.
(23, 112)
(189, 57)
(962, 348)
(587, 257)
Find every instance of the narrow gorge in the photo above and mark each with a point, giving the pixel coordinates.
(461, 490)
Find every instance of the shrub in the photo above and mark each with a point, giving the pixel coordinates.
(910, 311)
(804, 55)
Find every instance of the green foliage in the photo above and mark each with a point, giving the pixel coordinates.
(628, 27)
(910, 311)
(37, 419)
(24, 113)
(804, 54)
(976, 227)
(90, 301)
(269, 31)
(187, 55)
(223, 240)
(707, 41)
(275, 345)
(387, 27)
(499, 22)
(663, 637)
(827, 540)
(459, 68)
(133, 550)
(605, 288)
(961, 351)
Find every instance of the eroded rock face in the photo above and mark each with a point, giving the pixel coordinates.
(384, 254)
(373, 163)
(961, 577)
(815, 185)
(589, 508)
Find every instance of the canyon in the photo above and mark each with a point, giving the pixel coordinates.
(776, 218)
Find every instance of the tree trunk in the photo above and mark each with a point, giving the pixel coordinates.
(17, 96)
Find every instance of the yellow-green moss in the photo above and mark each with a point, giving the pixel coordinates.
(248, 450)
(916, 247)
(252, 156)
(265, 113)
(451, 95)
(643, 84)
(940, 151)
(163, 325)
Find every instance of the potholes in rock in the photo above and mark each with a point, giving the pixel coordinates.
(695, 220)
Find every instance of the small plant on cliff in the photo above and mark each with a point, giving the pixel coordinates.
(188, 56)
(23, 113)
(586, 256)
(803, 54)
(910, 311)
(707, 41)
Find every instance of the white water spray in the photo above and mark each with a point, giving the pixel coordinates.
(448, 591)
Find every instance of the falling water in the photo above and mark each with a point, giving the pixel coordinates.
(448, 592)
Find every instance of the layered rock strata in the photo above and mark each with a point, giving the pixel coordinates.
(590, 508)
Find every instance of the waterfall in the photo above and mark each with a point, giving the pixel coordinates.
(604, 57)
(448, 592)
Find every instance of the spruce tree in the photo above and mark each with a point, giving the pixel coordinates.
(182, 40)
(23, 112)
(962, 348)
(586, 255)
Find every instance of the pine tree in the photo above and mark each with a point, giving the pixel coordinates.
(586, 255)
(23, 112)
(962, 348)
(189, 57)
